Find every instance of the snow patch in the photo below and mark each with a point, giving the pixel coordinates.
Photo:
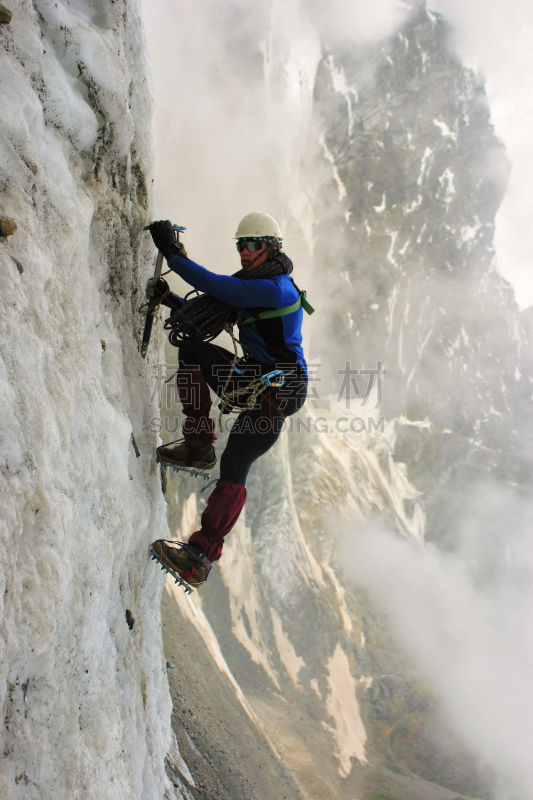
(425, 165)
(403, 250)
(342, 704)
(404, 40)
(292, 663)
(446, 182)
(390, 258)
(382, 206)
(469, 232)
(341, 597)
(382, 479)
(444, 129)
(338, 78)
(329, 157)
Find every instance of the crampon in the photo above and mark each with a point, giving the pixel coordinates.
(186, 563)
(196, 473)
(186, 456)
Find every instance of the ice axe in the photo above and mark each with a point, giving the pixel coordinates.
(150, 308)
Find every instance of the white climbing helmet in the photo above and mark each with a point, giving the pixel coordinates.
(257, 225)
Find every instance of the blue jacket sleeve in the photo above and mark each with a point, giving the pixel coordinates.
(236, 292)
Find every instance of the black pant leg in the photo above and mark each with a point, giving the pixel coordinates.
(212, 360)
(252, 435)
(215, 364)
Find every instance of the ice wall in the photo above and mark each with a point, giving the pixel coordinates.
(85, 697)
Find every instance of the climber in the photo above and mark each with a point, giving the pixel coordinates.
(271, 341)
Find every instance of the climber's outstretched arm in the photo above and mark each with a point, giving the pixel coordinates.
(236, 292)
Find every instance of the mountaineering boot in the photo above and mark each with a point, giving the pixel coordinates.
(188, 453)
(183, 561)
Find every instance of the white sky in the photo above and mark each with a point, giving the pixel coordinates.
(493, 36)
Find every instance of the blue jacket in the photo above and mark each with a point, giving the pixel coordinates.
(277, 340)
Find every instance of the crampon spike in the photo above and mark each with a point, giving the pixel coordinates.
(178, 579)
(196, 473)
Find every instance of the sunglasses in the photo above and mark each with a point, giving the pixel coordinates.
(251, 245)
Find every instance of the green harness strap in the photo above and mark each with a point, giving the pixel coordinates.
(281, 312)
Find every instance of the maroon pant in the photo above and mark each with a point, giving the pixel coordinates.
(219, 517)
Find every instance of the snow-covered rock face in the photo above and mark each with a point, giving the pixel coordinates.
(85, 698)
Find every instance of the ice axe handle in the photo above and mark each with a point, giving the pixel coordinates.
(149, 321)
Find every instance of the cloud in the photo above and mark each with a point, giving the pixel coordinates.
(464, 617)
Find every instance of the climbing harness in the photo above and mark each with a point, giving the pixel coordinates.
(229, 401)
(199, 558)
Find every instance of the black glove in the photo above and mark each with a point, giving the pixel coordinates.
(164, 237)
(156, 289)
(160, 291)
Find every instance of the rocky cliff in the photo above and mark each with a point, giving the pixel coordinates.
(346, 642)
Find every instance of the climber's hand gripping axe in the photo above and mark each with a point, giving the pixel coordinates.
(149, 308)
